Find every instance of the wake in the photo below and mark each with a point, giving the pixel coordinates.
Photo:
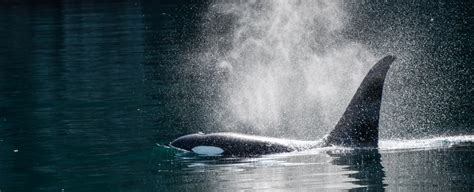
(442, 142)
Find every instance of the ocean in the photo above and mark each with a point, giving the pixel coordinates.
(91, 93)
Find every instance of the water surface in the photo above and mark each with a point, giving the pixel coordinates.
(90, 91)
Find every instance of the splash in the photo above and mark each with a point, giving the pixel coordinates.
(285, 67)
(427, 143)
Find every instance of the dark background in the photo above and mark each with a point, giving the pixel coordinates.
(88, 88)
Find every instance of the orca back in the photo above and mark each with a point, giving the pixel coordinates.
(358, 126)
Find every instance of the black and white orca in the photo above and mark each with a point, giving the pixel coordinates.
(358, 126)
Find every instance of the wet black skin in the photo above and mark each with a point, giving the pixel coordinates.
(358, 127)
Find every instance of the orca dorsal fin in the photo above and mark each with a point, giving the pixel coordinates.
(358, 126)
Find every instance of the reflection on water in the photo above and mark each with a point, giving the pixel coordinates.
(87, 89)
(320, 169)
(367, 165)
(293, 171)
(430, 170)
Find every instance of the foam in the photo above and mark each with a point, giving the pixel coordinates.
(426, 143)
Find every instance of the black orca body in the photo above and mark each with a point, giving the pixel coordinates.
(358, 126)
(234, 144)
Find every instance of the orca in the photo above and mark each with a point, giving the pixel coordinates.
(358, 127)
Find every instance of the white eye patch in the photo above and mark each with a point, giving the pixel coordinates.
(207, 150)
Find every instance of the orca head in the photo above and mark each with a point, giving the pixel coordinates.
(198, 143)
(188, 142)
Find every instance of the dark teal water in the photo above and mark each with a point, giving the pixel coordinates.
(88, 90)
